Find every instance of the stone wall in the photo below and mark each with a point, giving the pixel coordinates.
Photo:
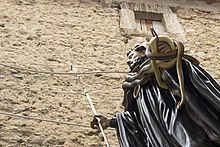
(189, 4)
(75, 36)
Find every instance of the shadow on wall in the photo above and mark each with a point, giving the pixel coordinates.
(211, 1)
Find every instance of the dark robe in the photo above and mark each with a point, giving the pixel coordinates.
(153, 120)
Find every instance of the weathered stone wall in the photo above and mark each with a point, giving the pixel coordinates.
(53, 36)
(189, 4)
(203, 34)
(57, 35)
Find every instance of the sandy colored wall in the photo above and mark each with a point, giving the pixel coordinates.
(57, 35)
(203, 34)
(207, 5)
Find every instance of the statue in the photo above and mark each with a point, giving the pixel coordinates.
(169, 99)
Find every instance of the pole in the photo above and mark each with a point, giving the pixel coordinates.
(94, 113)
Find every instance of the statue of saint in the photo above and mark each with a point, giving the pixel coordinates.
(169, 99)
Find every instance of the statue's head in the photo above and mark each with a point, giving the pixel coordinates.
(137, 55)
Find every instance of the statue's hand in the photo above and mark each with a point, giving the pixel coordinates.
(163, 47)
(104, 121)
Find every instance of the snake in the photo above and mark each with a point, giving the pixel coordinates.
(167, 61)
(157, 60)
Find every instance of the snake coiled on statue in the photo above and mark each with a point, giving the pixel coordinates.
(155, 61)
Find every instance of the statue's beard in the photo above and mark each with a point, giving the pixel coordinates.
(136, 63)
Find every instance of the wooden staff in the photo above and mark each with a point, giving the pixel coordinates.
(94, 113)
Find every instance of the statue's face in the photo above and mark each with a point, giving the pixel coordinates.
(133, 55)
(136, 56)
